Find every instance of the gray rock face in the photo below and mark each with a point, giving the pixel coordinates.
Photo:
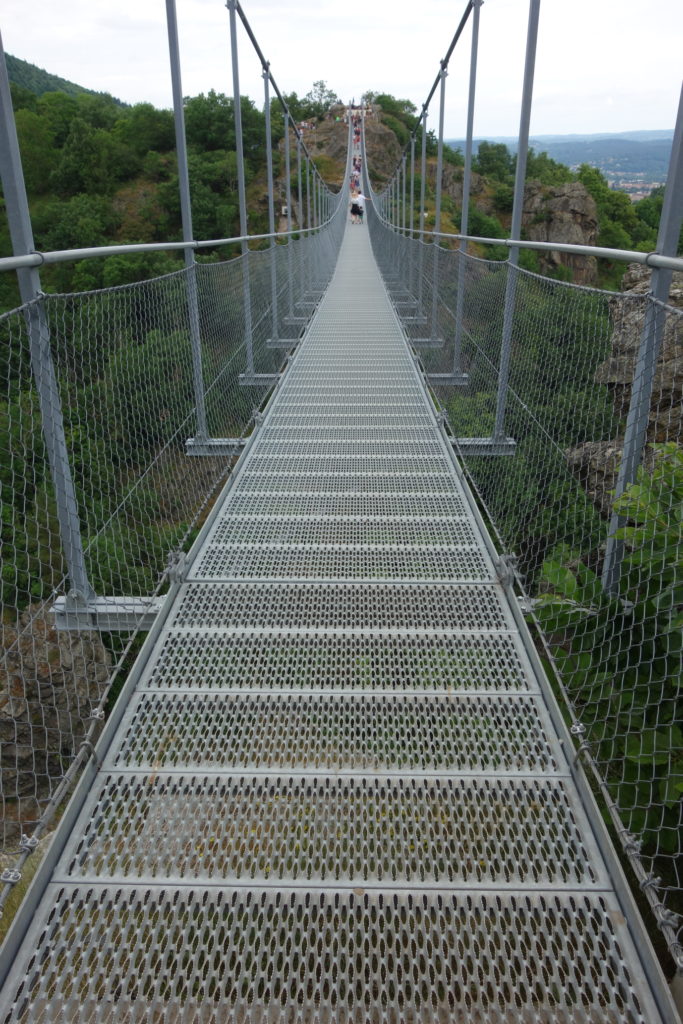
(382, 149)
(562, 213)
(50, 683)
(596, 463)
(666, 410)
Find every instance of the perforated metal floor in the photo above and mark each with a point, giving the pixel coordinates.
(337, 793)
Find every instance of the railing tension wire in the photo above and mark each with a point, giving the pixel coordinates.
(266, 70)
(396, 190)
(42, 366)
(201, 434)
(648, 352)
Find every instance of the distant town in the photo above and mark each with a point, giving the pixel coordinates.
(632, 162)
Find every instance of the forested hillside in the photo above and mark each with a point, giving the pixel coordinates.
(621, 224)
(98, 173)
(38, 81)
(101, 173)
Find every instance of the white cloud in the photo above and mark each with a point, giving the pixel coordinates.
(600, 67)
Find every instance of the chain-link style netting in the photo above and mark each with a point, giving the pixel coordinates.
(550, 496)
(110, 402)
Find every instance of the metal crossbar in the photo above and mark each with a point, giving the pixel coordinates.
(339, 790)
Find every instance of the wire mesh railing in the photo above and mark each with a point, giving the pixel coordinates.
(616, 651)
(124, 397)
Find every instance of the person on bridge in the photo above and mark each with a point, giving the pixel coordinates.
(360, 203)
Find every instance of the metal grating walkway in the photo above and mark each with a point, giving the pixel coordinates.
(337, 793)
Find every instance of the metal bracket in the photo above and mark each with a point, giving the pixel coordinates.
(28, 843)
(458, 379)
(107, 614)
(258, 379)
(578, 729)
(484, 445)
(427, 342)
(215, 445)
(10, 877)
(285, 343)
(505, 569)
(177, 562)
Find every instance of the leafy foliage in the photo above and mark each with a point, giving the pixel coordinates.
(621, 656)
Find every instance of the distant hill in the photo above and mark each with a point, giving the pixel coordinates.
(643, 155)
(38, 81)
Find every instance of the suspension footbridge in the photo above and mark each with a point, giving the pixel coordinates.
(339, 783)
(340, 789)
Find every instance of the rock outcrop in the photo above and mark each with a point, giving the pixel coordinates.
(50, 683)
(566, 214)
(596, 463)
(559, 213)
(666, 411)
(382, 149)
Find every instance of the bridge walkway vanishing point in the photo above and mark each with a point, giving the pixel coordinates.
(338, 791)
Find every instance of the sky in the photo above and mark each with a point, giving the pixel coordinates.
(602, 65)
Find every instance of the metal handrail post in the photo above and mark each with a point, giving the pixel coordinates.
(518, 203)
(186, 221)
(300, 212)
(288, 201)
(309, 224)
(404, 279)
(411, 271)
(437, 214)
(651, 337)
(42, 366)
(274, 333)
(241, 187)
(300, 221)
(466, 183)
(423, 175)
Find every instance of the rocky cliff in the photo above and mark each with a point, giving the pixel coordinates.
(50, 683)
(566, 214)
(596, 463)
(551, 213)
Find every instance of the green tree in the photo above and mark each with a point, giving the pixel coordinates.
(80, 222)
(144, 128)
(318, 100)
(36, 142)
(494, 160)
(540, 167)
(59, 111)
